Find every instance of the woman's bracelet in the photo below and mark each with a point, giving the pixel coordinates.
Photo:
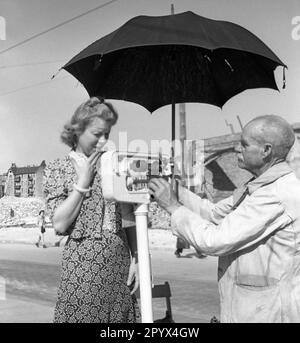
(81, 190)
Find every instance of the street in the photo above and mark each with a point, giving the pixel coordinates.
(32, 275)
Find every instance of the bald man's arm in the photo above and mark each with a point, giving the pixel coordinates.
(254, 220)
(209, 211)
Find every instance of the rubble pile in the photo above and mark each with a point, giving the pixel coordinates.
(158, 218)
(15, 211)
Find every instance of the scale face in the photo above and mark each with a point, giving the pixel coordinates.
(125, 175)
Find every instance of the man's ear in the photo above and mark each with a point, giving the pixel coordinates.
(267, 150)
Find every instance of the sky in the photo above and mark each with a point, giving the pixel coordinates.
(33, 109)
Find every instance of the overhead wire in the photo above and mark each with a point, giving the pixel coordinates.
(56, 26)
(29, 64)
(30, 86)
(46, 62)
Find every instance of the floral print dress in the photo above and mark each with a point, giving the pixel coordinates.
(96, 257)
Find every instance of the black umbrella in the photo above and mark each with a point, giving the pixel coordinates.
(156, 61)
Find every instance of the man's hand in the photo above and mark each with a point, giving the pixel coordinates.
(162, 192)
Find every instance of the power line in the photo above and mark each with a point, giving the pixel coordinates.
(30, 64)
(31, 86)
(56, 26)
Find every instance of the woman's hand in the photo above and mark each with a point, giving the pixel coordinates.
(85, 169)
(133, 276)
(67, 212)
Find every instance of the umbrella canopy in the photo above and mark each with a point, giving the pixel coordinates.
(156, 61)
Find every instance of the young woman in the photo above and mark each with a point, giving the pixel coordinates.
(99, 267)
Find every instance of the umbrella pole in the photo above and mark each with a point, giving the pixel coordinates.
(182, 135)
(141, 213)
(173, 131)
(173, 122)
(173, 144)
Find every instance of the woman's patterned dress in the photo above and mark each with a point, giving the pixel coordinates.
(96, 257)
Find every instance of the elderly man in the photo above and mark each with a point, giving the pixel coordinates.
(255, 232)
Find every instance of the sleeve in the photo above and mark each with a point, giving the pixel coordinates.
(258, 216)
(55, 191)
(209, 211)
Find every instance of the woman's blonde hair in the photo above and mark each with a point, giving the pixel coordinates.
(93, 108)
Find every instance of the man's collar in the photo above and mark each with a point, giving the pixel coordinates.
(269, 176)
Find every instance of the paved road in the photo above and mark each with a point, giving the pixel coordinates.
(31, 277)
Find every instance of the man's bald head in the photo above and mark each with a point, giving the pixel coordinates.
(274, 130)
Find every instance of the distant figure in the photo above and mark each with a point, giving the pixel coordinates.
(12, 213)
(182, 244)
(42, 230)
